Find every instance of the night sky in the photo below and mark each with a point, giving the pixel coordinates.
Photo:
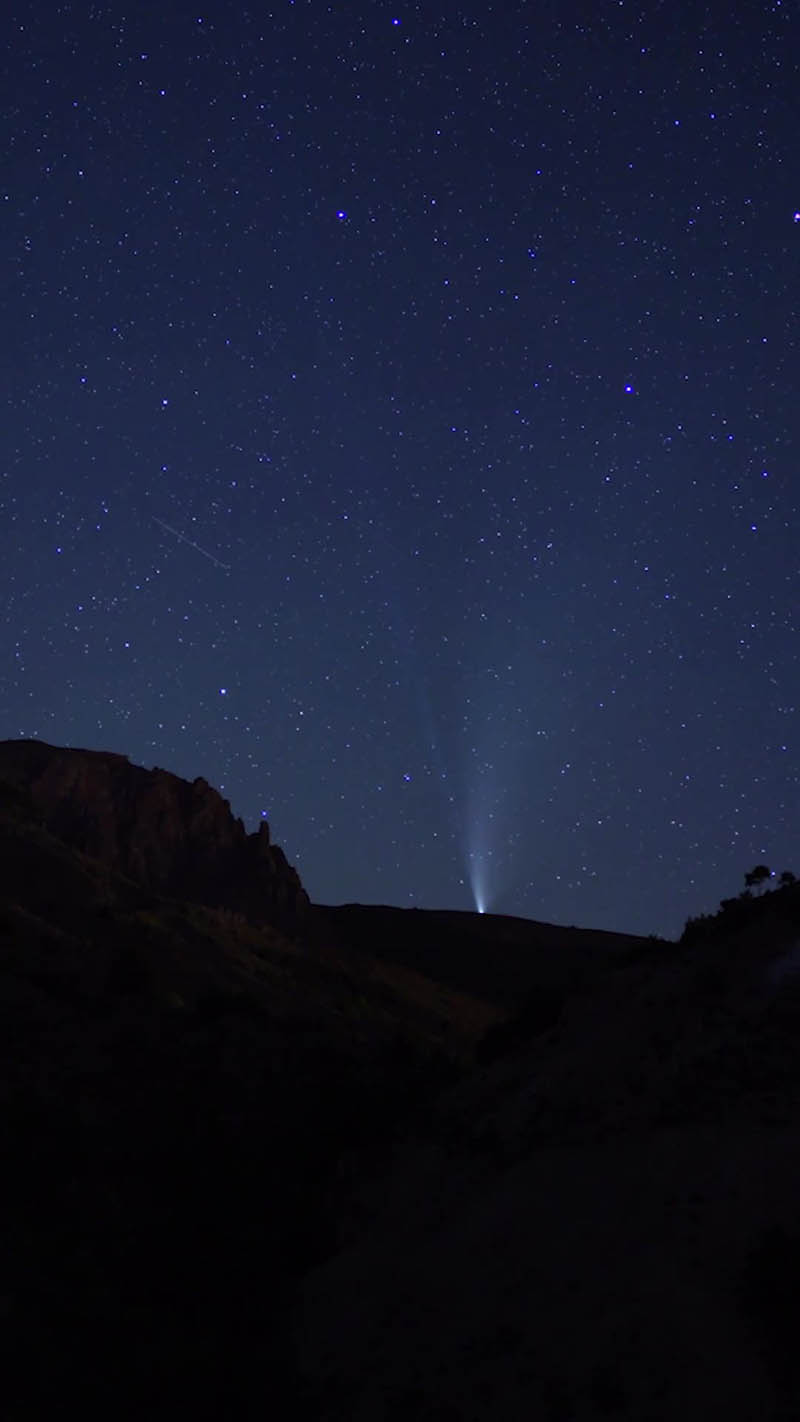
(401, 414)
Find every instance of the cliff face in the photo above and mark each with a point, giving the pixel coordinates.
(173, 836)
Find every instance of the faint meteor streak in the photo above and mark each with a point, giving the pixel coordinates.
(216, 561)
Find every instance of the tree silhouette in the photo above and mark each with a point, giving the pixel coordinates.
(757, 877)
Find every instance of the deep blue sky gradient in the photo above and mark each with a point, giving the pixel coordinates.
(400, 429)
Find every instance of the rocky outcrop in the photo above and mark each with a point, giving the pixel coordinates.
(176, 837)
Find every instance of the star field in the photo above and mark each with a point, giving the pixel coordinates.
(401, 431)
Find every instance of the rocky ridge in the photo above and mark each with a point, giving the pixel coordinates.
(175, 837)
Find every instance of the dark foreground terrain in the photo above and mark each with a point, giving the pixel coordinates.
(262, 1157)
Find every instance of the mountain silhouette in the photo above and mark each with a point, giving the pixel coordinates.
(364, 1162)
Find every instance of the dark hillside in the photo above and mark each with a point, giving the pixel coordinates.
(599, 1221)
(178, 1085)
(361, 1162)
(496, 958)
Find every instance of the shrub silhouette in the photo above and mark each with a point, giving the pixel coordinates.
(757, 877)
(779, 908)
